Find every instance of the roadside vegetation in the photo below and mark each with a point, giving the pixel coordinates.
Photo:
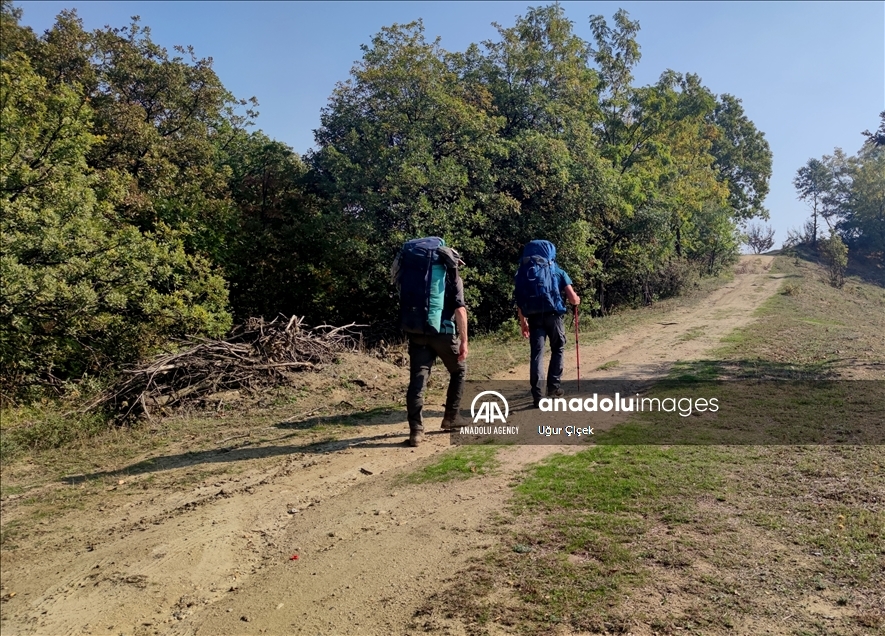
(139, 209)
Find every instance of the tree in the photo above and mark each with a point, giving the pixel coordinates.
(551, 178)
(760, 238)
(405, 149)
(877, 138)
(864, 217)
(616, 52)
(858, 199)
(853, 202)
(80, 289)
(814, 182)
(112, 203)
(283, 253)
(743, 159)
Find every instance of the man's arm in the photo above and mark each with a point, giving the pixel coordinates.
(571, 296)
(461, 323)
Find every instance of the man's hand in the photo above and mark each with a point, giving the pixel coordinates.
(571, 296)
(462, 350)
(523, 323)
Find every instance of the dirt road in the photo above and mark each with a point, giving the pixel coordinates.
(215, 556)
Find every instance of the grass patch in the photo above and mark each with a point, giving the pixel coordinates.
(822, 325)
(575, 543)
(611, 364)
(45, 426)
(460, 463)
(693, 333)
(707, 540)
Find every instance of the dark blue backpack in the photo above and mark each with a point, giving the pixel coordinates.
(537, 283)
(422, 271)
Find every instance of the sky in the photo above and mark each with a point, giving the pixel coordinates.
(811, 75)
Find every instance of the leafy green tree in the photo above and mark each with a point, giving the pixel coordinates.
(80, 289)
(856, 200)
(404, 150)
(659, 140)
(814, 183)
(616, 52)
(103, 260)
(552, 173)
(864, 217)
(282, 253)
(743, 158)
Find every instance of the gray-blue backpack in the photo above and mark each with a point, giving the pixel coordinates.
(537, 283)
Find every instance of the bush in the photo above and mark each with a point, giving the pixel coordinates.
(509, 331)
(834, 253)
(673, 279)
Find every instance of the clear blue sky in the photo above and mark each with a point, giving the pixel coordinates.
(811, 74)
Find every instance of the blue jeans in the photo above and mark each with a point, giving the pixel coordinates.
(542, 326)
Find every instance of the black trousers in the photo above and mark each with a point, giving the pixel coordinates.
(423, 351)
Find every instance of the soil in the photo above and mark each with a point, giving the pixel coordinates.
(214, 552)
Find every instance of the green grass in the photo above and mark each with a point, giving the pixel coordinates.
(460, 463)
(44, 427)
(692, 334)
(576, 544)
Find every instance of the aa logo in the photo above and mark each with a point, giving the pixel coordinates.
(489, 411)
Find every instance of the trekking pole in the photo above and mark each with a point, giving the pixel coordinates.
(578, 347)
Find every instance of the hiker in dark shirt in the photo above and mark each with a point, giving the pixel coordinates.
(447, 339)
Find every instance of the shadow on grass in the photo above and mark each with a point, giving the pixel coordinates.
(749, 369)
(757, 402)
(868, 266)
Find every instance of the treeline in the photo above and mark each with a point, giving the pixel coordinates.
(846, 195)
(138, 207)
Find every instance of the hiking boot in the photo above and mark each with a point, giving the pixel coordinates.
(451, 421)
(415, 437)
(555, 393)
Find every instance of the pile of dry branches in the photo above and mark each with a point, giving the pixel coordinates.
(257, 354)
